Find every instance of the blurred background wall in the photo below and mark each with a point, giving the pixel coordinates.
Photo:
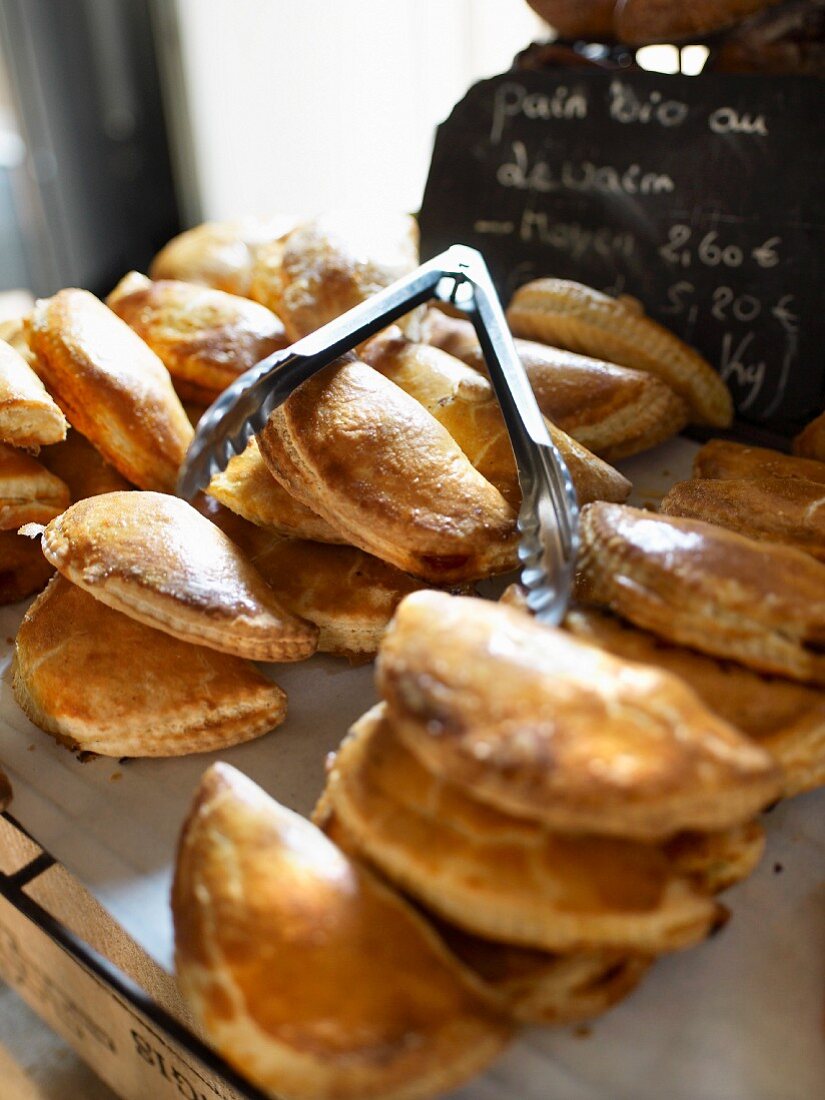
(122, 121)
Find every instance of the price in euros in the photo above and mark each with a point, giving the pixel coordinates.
(683, 249)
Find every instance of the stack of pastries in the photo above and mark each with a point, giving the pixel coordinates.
(389, 472)
(547, 818)
(529, 817)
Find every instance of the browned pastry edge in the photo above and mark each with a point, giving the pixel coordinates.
(722, 458)
(785, 717)
(158, 560)
(307, 973)
(789, 511)
(508, 710)
(700, 585)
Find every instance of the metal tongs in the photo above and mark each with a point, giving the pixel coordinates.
(549, 512)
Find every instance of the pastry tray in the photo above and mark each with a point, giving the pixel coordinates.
(738, 1018)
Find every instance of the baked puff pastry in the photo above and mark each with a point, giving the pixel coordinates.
(156, 559)
(464, 402)
(101, 682)
(28, 416)
(573, 316)
(531, 985)
(790, 511)
(785, 718)
(23, 569)
(204, 337)
(613, 411)
(370, 459)
(502, 877)
(721, 458)
(112, 387)
(248, 488)
(326, 266)
(702, 586)
(810, 443)
(306, 973)
(516, 713)
(349, 595)
(28, 492)
(218, 254)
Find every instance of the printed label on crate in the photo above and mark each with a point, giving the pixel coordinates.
(124, 1048)
(701, 196)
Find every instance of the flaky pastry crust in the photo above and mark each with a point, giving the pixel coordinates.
(28, 416)
(100, 682)
(29, 493)
(464, 402)
(700, 585)
(307, 974)
(502, 877)
(786, 718)
(722, 458)
(248, 488)
(111, 386)
(786, 510)
(218, 254)
(326, 266)
(156, 559)
(540, 725)
(349, 595)
(573, 316)
(203, 336)
(613, 411)
(368, 458)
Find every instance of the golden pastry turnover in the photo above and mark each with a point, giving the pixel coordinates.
(111, 386)
(613, 411)
(101, 682)
(355, 448)
(786, 510)
(517, 714)
(463, 401)
(576, 317)
(308, 974)
(156, 559)
(28, 416)
(204, 337)
(785, 718)
(218, 254)
(721, 458)
(326, 266)
(502, 877)
(702, 586)
(28, 492)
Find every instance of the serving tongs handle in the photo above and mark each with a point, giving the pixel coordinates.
(549, 512)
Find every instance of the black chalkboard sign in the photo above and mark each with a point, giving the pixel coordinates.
(704, 197)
